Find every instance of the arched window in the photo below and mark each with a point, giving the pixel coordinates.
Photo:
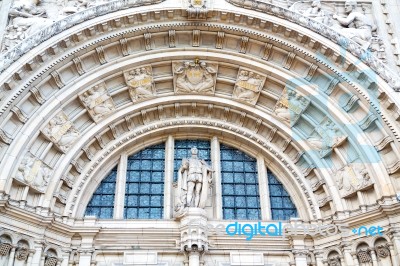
(282, 207)
(240, 194)
(102, 203)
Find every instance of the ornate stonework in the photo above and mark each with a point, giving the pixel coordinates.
(248, 86)
(290, 106)
(34, 173)
(140, 82)
(97, 101)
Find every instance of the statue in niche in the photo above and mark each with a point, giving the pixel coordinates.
(358, 26)
(34, 173)
(97, 101)
(194, 178)
(290, 106)
(140, 82)
(352, 178)
(248, 86)
(194, 77)
(326, 137)
(61, 132)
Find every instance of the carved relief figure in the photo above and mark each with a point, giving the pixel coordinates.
(248, 86)
(140, 82)
(194, 77)
(290, 106)
(194, 177)
(315, 10)
(351, 179)
(34, 173)
(326, 137)
(61, 132)
(97, 101)
(358, 26)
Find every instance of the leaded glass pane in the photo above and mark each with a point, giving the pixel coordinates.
(102, 203)
(144, 191)
(182, 150)
(282, 207)
(240, 197)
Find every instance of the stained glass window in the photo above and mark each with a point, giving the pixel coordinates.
(182, 150)
(240, 196)
(282, 207)
(144, 191)
(102, 203)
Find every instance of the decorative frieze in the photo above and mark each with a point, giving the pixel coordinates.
(248, 86)
(97, 101)
(61, 132)
(194, 77)
(33, 173)
(140, 82)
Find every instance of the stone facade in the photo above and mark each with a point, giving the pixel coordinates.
(308, 89)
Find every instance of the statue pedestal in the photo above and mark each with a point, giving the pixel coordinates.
(194, 239)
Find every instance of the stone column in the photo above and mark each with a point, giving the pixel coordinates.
(347, 254)
(263, 189)
(120, 187)
(30, 256)
(393, 255)
(319, 257)
(216, 164)
(86, 250)
(37, 256)
(373, 257)
(12, 256)
(300, 257)
(168, 177)
(65, 257)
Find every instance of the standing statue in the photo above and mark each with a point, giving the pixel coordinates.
(359, 27)
(194, 177)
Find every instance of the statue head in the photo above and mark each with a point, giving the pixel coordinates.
(194, 152)
(350, 5)
(316, 3)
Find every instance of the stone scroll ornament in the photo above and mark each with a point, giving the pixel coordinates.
(248, 86)
(194, 77)
(33, 173)
(325, 137)
(61, 132)
(97, 101)
(290, 106)
(194, 179)
(351, 179)
(140, 82)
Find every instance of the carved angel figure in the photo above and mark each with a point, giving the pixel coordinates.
(140, 81)
(248, 86)
(98, 101)
(290, 106)
(327, 136)
(352, 178)
(195, 77)
(194, 177)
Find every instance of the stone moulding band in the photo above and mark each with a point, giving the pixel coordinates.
(6, 59)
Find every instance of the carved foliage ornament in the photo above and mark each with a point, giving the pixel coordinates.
(61, 132)
(140, 82)
(97, 101)
(290, 106)
(194, 77)
(248, 86)
(34, 173)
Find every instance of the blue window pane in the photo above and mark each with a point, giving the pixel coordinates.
(144, 193)
(239, 185)
(101, 204)
(282, 207)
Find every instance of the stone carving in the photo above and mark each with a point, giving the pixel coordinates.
(316, 10)
(194, 77)
(22, 253)
(334, 261)
(51, 261)
(382, 251)
(290, 106)
(61, 132)
(248, 86)
(326, 136)
(351, 179)
(194, 177)
(197, 9)
(34, 173)
(97, 101)
(140, 82)
(5, 248)
(358, 26)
